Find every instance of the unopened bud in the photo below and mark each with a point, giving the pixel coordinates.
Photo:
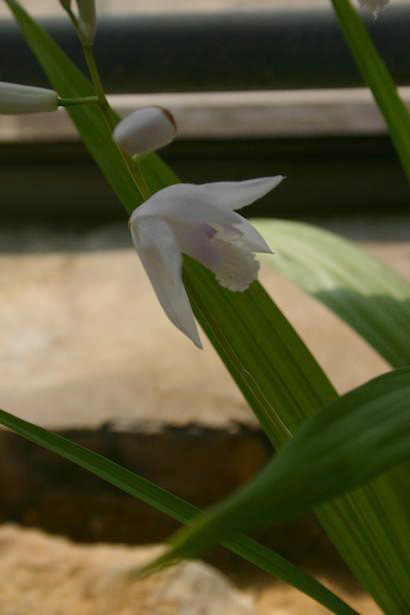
(16, 99)
(145, 130)
(87, 20)
(374, 6)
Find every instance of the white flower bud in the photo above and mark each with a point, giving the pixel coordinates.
(145, 130)
(16, 99)
(374, 6)
(87, 19)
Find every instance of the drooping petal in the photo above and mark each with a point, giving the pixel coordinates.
(160, 255)
(187, 204)
(235, 195)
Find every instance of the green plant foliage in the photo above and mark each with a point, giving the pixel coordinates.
(369, 296)
(174, 507)
(362, 434)
(378, 78)
(273, 368)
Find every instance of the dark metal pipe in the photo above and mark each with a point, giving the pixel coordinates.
(274, 49)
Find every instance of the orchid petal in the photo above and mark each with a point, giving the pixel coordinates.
(251, 238)
(235, 195)
(195, 241)
(160, 255)
(188, 204)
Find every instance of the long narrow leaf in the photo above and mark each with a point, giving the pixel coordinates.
(364, 433)
(368, 295)
(172, 506)
(274, 370)
(378, 78)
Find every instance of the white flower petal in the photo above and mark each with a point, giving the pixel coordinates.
(235, 195)
(160, 255)
(188, 204)
(195, 240)
(252, 238)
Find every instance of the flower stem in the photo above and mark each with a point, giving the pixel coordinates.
(378, 78)
(99, 89)
(133, 166)
(139, 178)
(71, 102)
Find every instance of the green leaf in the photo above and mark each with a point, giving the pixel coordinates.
(273, 368)
(369, 296)
(361, 435)
(172, 506)
(378, 78)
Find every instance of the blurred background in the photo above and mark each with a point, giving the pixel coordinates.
(257, 87)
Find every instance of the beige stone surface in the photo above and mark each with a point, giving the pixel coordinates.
(40, 575)
(45, 8)
(83, 339)
(44, 575)
(82, 336)
(280, 599)
(52, 7)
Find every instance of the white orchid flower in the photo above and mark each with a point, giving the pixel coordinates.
(374, 6)
(199, 221)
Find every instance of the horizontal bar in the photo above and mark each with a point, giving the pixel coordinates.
(221, 51)
(288, 113)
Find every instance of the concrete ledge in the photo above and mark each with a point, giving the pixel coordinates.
(291, 113)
